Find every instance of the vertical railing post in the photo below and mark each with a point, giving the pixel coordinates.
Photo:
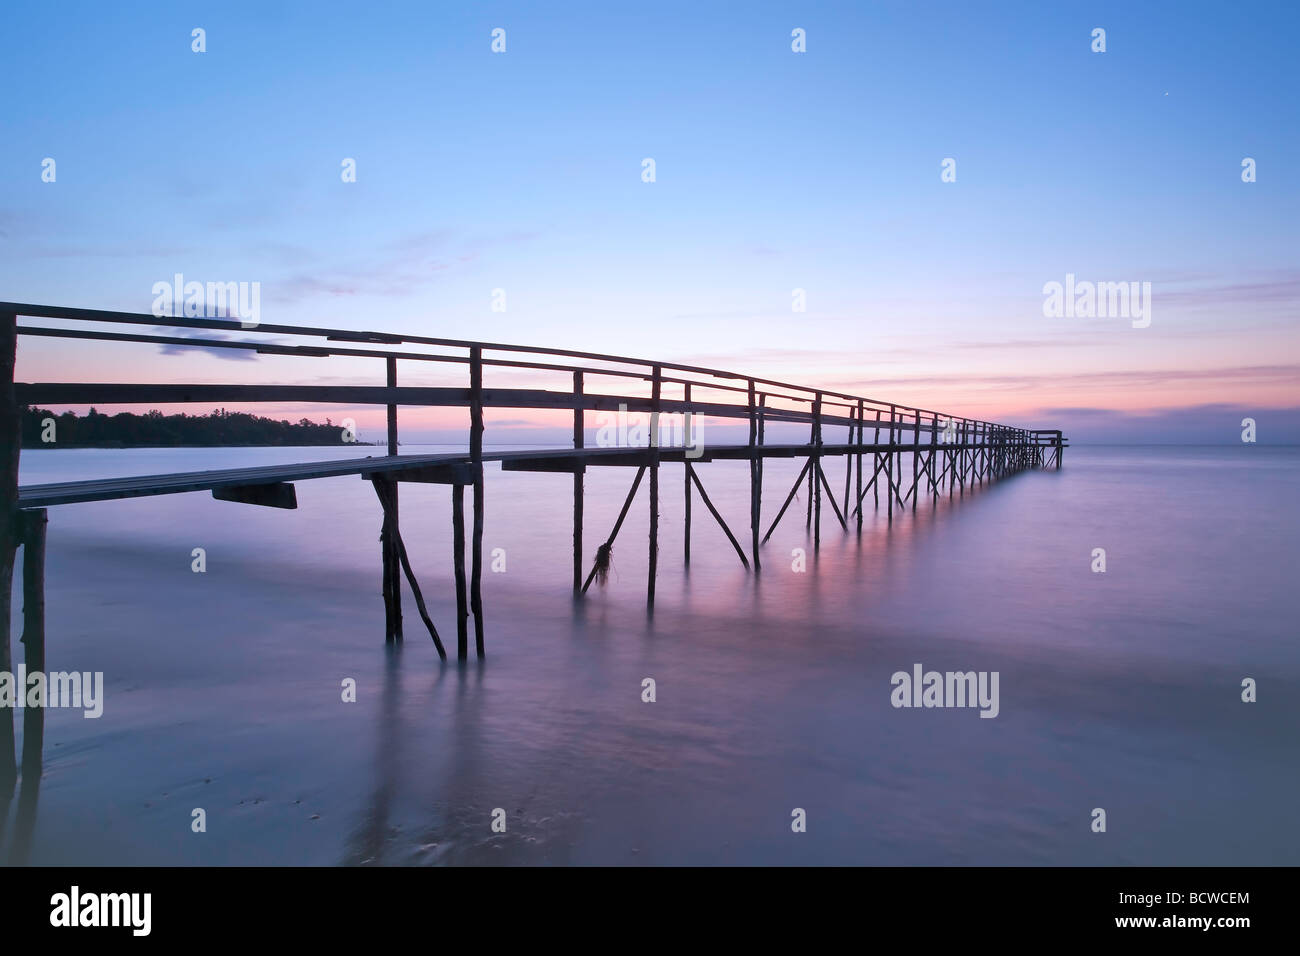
(392, 406)
(392, 562)
(875, 465)
(816, 473)
(960, 463)
(579, 467)
(476, 462)
(916, 454)
(857, 487)
(762, 421)
(848, 461)
(656, 386)
(755, 488)
(458, 569)
(11, 440)
(934, 449)
(812, 471)
(33, 638)
(889, 464)
(686, 471)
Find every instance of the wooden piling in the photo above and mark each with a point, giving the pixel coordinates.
(812, 441)
(384, 489)
(391, 561)
(755, 488)
(934, 450)
(857, 487)
(458, 569)
(686, 490)
(579, 441)
(848, 458)
(386, 576)
(33, 638)
(11, 432)
(476, 461)
(656, 386)
(889, 465)
(758, 462)
(817, 471)
(916, 445)
(875, 440)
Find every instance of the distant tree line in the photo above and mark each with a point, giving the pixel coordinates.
(154, 428)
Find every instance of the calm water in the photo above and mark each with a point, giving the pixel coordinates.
(1118, 690)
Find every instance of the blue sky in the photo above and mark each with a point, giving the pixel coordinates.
(774, 171)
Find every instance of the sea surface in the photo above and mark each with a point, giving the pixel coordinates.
(1119, 691)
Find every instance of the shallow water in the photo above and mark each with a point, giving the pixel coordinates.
(1118, 690)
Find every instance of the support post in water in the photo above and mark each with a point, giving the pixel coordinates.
(934, 450)
(11, 433)
(578, 474)
(848, 459)
(33, 639)
(458, 569)
(391, 562)
(686, 462)
(816, 473)
(755, 486)
(656, 386)
(857, 487)
(762, 416)
(476, 461)
(916, 454)
(889, 465)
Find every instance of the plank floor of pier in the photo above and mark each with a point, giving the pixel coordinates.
(143, 486)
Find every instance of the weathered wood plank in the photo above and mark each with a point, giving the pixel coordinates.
(278, 494)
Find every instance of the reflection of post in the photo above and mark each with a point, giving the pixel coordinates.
(11, 433)
(33, 635)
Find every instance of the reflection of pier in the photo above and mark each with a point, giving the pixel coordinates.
(940, 450)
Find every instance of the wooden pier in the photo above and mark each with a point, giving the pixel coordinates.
(943, 452)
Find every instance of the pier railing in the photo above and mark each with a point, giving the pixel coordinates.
(941, 448)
